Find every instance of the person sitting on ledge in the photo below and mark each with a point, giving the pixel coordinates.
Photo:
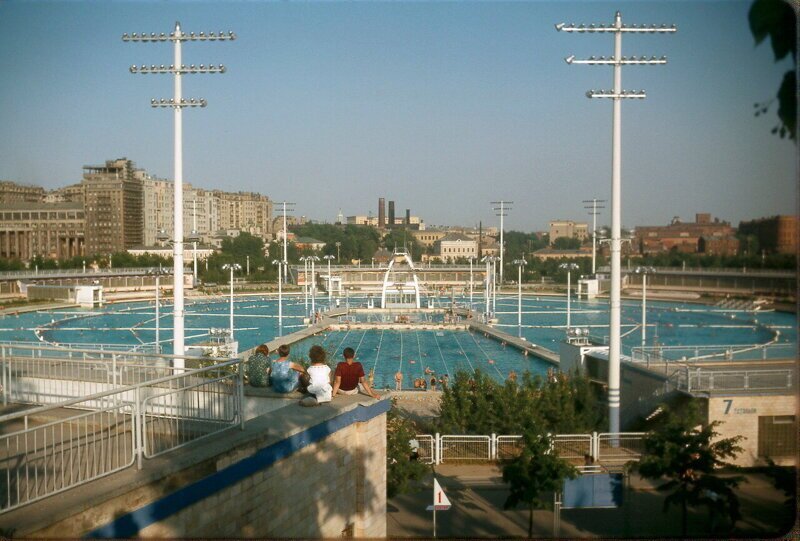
(319, 374)
(258, 367)
(349, 376)
(286, 376)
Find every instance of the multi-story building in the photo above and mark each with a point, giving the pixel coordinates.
(455, 246)
(381, 212)
(245, 211)
(568, 229)
(48, 230)
(428, 237)
(12, 192)
(704, 235)
(68, 194)
(777, 234)
(113, 207)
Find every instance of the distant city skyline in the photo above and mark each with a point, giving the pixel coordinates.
(441, 107)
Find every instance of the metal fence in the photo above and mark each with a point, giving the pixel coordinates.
(457, 448)
(605, 448)
(47, 449)
(698, 380)
(730, 352)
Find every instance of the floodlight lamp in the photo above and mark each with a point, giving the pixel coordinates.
(559, 26)
(569, 59)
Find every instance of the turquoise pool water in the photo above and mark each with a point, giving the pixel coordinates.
(543, 323)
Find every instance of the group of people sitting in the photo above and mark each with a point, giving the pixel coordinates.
(286, 376)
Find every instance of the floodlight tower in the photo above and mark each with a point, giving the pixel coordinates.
(287, 207)
(617, 95)
(501, 211)
(594, 212)
(177, 103)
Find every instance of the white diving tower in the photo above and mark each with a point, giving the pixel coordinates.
(400, 285)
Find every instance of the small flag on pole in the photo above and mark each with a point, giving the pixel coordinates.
(440, 501)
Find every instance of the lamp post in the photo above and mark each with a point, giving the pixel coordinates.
(194, 239)
(157, 273)
(594, 212)
(279, 264)
(494, 285)
(178, 103)
(520, 263)
(84, 267)
(248, 265)
(501, 211)
(285, 240)
(305, 282)
(330, 281)
(569, 267)
(471, 259)
(232, 267)
(338, 259)
(617, 95)
(644, 271)
(313, 259)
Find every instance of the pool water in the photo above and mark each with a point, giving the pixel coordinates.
(385, 351)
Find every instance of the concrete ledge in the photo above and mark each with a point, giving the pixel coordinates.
(170, 482)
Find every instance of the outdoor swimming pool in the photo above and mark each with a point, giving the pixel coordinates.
(543, 323)
(385, 352)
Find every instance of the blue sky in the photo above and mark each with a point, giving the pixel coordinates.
(442, 107)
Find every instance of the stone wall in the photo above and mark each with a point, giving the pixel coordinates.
(739, 415)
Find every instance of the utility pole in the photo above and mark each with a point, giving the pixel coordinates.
(177, 103)
(617, 95)
(594, 212)
(501, 211)
(286, 207)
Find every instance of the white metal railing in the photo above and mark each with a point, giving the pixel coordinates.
(695, 380)
(74, 440)
(618, 447)
(465, 448)
(608, 448)
(55, 455)
(729, 352)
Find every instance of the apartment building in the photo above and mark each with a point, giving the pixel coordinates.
(114, 205)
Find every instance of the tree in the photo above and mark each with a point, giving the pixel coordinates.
(688, 454)
(777, 19)
(537, 471)
(566, 243)
(401, 467)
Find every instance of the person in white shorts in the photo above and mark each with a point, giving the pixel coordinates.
(320, 378)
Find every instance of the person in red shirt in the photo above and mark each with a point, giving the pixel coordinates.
(349, 375)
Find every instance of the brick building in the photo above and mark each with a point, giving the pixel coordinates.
(704, 235)
(776, 234)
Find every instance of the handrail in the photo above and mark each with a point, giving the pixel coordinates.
(124, 388)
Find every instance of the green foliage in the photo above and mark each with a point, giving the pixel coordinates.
(237, 250)
(536, 472)
(566, 243)
(688, 454)
(11, 264)
(356, 241)
(785, 479)
(397, 238)
(476, 404)
(401, 468)
(750, 259)
(776, 19)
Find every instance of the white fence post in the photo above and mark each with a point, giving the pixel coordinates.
(437, 449)
(595, 447)
(493, 447)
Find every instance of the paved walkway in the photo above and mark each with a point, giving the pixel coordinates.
(478, 493)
